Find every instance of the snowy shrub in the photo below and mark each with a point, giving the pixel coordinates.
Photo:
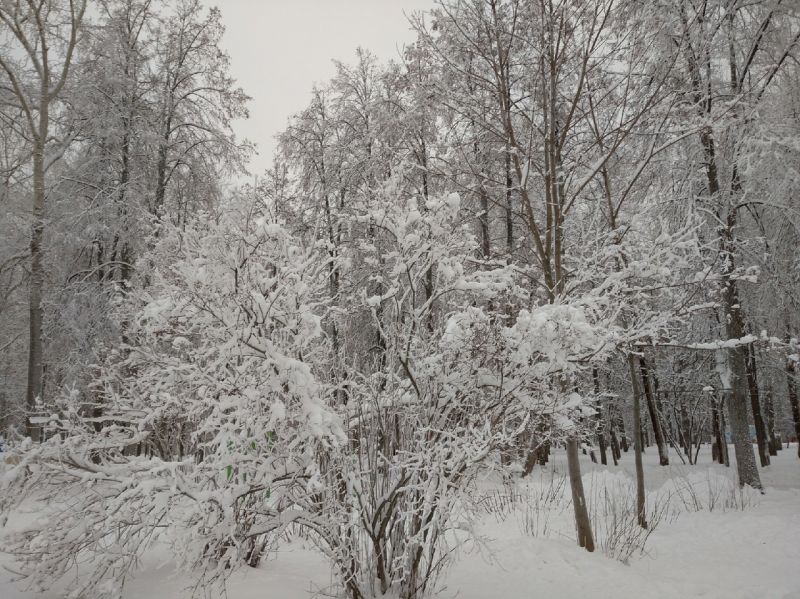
(540, 503)
(202, 431)
(422, 423)
(450, 384)
(615, 519)
(699, 492)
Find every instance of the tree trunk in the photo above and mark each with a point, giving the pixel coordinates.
(486, 242)
(755, 404)
(161, 180)
(769, 411)
(509, 208)
(599, 420)
(686, 431)
(612, 433)
(655, 420)
(35, 360)
(623, 436)
(641, 515)
(582, 523)
(791, 385)
(36, 101)
(531, 458)
(615, 451)
(723, 428)
(716, 432)
(735, 371)
(544, 453)
(161, 165)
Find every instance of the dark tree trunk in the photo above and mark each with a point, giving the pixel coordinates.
(486, 247)
(35, 353)
(582, 523)
(599, 420)
(616, 455)
(718, 432)
(686, 431)
(791, 385)
(769, 412)
(641, 516)
(623, 436)
(655, 418)
(544, 453)
(509, 208)
(723, 427)
(755, 404)
(738, 394)
(161, 179)
(735, 362)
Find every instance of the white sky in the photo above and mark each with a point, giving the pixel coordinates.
(280, 48)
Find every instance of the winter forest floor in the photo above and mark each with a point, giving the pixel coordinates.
(710, 541)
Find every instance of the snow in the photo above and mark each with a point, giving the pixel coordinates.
(725, 553)
(726, 344)
(746, 549)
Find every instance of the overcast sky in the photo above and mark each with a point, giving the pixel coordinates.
(280, 48)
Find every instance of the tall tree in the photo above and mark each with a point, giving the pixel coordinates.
(196, 100)
(747, 39)
(40, 43)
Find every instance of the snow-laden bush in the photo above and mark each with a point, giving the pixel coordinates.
(427, 413)
(451, 383)
(202, 430)
(708, 491)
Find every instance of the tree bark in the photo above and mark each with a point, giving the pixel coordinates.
(486, 242)
(737, 402)
(755, 404)
(641, 515)
(599, 420)
(612, 433)
(655, 420)
(726, 459)
(686, 431)
(35, 360)
(623, 436)
(791, 385)
(509, 207)
(717, 454)
(769, 410)
(582, 523)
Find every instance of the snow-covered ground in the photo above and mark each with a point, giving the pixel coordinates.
(746, 547)
(712, 541)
